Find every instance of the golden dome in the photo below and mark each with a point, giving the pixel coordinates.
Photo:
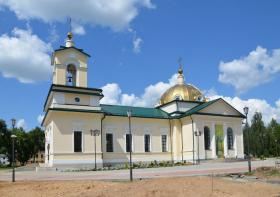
(181, 91)
(184, 92)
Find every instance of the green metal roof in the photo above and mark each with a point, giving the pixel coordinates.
(143, 112)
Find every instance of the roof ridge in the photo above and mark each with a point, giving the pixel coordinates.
(128, 106)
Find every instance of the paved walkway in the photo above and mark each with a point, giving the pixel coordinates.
(206, 168)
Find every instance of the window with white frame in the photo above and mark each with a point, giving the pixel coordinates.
(77, 141)
(147, 142)
(230, 138)
(164, 143)
(207, 142)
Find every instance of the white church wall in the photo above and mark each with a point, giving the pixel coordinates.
(170, 107)
(118, 126)
(185, 106)
(64, 125)
(220, 107)
(211, 121)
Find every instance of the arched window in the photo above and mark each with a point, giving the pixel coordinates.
(230, 138)
(206, 138)
(71, 75)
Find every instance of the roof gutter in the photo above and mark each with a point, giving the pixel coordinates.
(101, 133)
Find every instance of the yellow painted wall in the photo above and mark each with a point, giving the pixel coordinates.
(140, 126)
(65, 123)
(70, 99)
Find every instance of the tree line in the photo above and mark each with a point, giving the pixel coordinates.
(27, 144)
(264, 140)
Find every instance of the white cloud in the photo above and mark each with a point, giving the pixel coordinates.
(24, 56)
(116, 14)
(259, 67)
(78, 29)
(40, 119)
(137, 42)
(53, 35)
(113, 94)
(21, 124)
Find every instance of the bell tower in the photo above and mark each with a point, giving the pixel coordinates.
(70, 64)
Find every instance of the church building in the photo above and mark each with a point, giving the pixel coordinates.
(184, 126)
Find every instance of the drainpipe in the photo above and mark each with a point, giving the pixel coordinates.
(104, 116)
(182, 139)
(171, 141)
(193, 137)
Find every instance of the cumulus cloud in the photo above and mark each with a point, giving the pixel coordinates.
(115, 14)
(21, 124)
(259, 67)
(255, 105)
(113, 94)
(78, 29)
(24, 56)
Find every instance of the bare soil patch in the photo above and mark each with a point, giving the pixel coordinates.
(187, 186)
(268, 173)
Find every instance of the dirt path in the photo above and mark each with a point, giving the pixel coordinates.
(191, 186)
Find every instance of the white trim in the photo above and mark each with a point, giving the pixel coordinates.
(167, 150)
(56, 105)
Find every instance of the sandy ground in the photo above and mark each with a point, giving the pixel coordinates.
(191, 186)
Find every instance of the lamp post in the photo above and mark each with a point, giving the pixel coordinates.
(95, 133)
(246, 110)
(197, 134)
(130, 141)
(13, 149)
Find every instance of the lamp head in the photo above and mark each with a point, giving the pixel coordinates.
(246, 110)
(13, 136)
(129, 113)
(13, 122)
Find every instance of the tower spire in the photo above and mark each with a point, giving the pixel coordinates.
(69, 41)
(180, 77)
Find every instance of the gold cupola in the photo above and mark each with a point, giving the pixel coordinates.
(181, 91)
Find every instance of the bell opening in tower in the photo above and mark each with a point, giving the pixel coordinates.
(71, 75)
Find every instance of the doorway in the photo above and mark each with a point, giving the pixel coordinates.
(219, 136)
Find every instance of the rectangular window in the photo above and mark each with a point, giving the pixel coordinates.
(77, 141)
(147, 140)
(164, 143)
(128, 140)
(109, 142)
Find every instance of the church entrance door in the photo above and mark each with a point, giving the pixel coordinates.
(219, 136)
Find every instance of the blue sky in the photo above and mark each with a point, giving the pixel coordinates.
(214, 39)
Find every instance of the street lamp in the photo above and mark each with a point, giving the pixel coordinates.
(130, 141)
(197, 134)
(95, 133)
(246, 111)
(13, 149)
